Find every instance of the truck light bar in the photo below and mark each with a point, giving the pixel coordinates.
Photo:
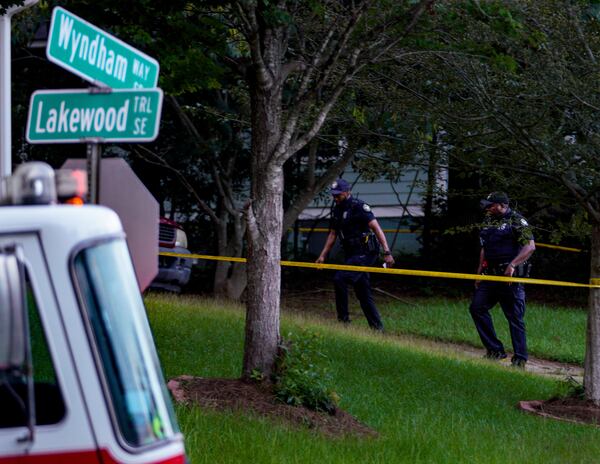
(36, 183)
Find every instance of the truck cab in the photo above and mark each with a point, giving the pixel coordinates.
(80, 379)
(173, 271)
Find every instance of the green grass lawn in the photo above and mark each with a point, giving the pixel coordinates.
(427, 407)
(552, 333)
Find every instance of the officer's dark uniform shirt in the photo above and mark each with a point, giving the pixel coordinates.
(350, 220)
(502, 238)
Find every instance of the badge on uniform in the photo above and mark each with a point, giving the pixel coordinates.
(366, 207)
(345, 215)
(334, 185)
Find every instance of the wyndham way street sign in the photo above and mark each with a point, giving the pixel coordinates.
(96, 56)
(83, 115)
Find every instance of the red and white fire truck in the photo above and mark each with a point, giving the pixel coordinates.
(80, 380)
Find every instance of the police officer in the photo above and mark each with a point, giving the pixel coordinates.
(506, 245)
(361, 236)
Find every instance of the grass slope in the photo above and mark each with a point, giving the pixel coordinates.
(552, 333)
(427, 407)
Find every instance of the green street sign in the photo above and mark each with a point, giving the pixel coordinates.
(96, 56)
(89, 115)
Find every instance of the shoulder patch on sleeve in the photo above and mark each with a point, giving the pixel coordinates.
(366, 207)
(524, 222)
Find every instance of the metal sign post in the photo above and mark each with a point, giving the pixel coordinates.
(5, 84)
(94, 155)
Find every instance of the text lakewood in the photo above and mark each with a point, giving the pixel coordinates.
(76, 120)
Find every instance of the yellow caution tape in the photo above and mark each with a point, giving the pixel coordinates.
(407, 272)
(409, 231)
(556, 247)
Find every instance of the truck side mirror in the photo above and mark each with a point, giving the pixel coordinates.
(13, 310)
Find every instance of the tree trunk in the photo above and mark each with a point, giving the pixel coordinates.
(222, 268)
(591, 376)
(432, 172)
(220, 278)
(236, 283)
(230, 277)
(264, 275)
(264, 226)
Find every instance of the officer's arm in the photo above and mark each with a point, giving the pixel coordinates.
(327, 247)
(480, 267)
(376, 228)
(524, 254)
(481, 260)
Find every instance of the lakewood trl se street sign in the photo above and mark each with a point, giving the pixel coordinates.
(96, 56)
(86, 115)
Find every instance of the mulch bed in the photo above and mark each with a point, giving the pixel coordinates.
(239, 396)
(567, 409)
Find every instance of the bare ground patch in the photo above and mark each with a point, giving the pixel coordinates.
(239, 396)
(576, 410)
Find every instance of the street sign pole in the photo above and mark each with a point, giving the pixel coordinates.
(93, 158)
(5, 97)
(5, 93)
(94, 155)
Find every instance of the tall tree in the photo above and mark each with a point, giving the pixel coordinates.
(302, 56)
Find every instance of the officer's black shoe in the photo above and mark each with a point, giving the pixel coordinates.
(519, 363)
(345, 321)
(495, 355)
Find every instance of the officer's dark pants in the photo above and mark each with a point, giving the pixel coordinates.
(362, 287)
(512, 300)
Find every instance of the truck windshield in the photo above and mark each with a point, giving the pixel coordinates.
(112, 302)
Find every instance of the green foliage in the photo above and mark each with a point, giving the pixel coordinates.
(578, 226)
(276, 17)
(536, 39)
(300, 377)
(573, 389)
(358, 114)
(498, 15)
(504, 62)
(592, 12)
(257, 375)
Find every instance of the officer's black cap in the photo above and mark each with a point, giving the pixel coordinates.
(340, 186)
(494, 197)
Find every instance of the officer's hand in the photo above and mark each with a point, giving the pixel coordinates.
(320, 260)
(389, 260)
(508, 272)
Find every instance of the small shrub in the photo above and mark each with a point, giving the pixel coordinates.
(300, 378)
(574, 389)
(256, 375)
